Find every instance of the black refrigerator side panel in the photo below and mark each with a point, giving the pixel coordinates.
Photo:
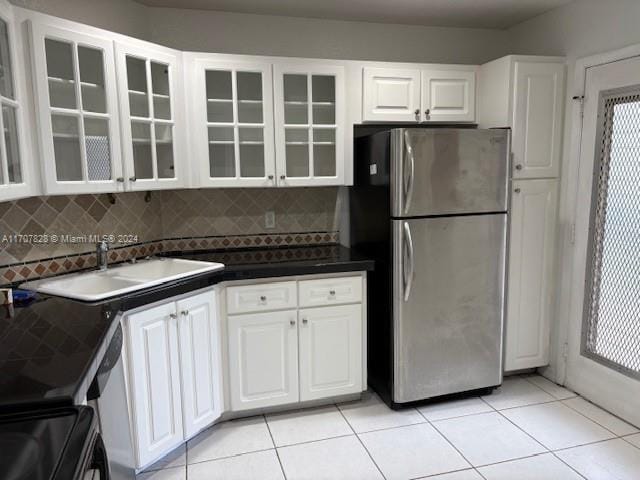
(371, 234)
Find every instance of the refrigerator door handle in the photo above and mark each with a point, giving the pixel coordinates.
(408, 179)
(408, 260)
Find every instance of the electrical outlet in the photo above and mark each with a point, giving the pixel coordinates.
(270, 219)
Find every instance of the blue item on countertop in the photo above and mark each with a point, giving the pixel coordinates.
(23, 297)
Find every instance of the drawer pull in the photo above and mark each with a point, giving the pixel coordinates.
(332, 293)
(263, 298)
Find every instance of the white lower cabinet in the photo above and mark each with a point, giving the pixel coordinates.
(297, 354)
(330, 351)
(200, 360)
(154, 382)
(174, 378)
(263, 359)
(280, 352)
(533, 220)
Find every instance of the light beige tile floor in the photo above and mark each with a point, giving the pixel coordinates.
(530, 429)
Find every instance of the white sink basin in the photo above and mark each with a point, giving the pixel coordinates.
(120, 279)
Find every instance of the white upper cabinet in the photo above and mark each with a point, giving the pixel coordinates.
(526, 94)
(232, 108)
(537, 119)
(77, 109)
(418, 95)
(531, 255)
(310, 124)
(448, 96)
(391, 95)
(15, 173)
(151, 106)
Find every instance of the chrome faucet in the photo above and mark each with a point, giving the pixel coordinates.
(101, 255)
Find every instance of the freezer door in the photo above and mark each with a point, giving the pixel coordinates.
(448, 171)
(448, 304)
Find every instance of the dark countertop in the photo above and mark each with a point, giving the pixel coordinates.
(51, 349)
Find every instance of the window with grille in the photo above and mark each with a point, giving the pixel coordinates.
(612, 306)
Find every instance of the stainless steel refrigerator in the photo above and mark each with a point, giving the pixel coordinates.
(430, 205)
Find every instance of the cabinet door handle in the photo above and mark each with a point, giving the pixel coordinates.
(184, 313)
(173, 316)
(133, 179)
(518, 167)
(417, 112)
(305, 321)
(282, 177)
(120, 179)
(332, 293)
(517, 190)
(427, 112)
(270, 177)
(263, 298)
(292, 322)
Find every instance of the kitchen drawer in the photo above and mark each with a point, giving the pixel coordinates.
(329, 291)
(264, 296)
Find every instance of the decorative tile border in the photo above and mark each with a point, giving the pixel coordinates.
(47, 267)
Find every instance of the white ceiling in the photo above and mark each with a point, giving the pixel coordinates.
(447, 13)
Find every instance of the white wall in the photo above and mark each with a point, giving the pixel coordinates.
(287, 36)
(122, 16)
(579, 29)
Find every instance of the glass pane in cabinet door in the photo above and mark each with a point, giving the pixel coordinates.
(219, 96)
(249, 88)
(221, 152)
(66, 145)
(160, 84)
(164, 150)
(97, 148)
(324, 99)
(296, 100)
(142, 154)
(94, 97)
(251, 152)
(297, 152)
(324, 153)
(137, 84)
(62, 90)
(11, 143)
(6, 72)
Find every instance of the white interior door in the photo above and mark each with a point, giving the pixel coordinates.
(604, 342)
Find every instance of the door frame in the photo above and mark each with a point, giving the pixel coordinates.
(569, 303)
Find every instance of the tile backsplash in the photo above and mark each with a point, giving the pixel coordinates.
(60, 226)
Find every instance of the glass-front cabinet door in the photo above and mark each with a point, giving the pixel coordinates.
(310, 124)
(15, 181)
(77, 111)
(233, 103)
(152, 120)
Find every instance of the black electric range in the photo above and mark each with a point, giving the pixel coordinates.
(54, 444)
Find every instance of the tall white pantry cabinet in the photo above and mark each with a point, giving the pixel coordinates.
(526, 94)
